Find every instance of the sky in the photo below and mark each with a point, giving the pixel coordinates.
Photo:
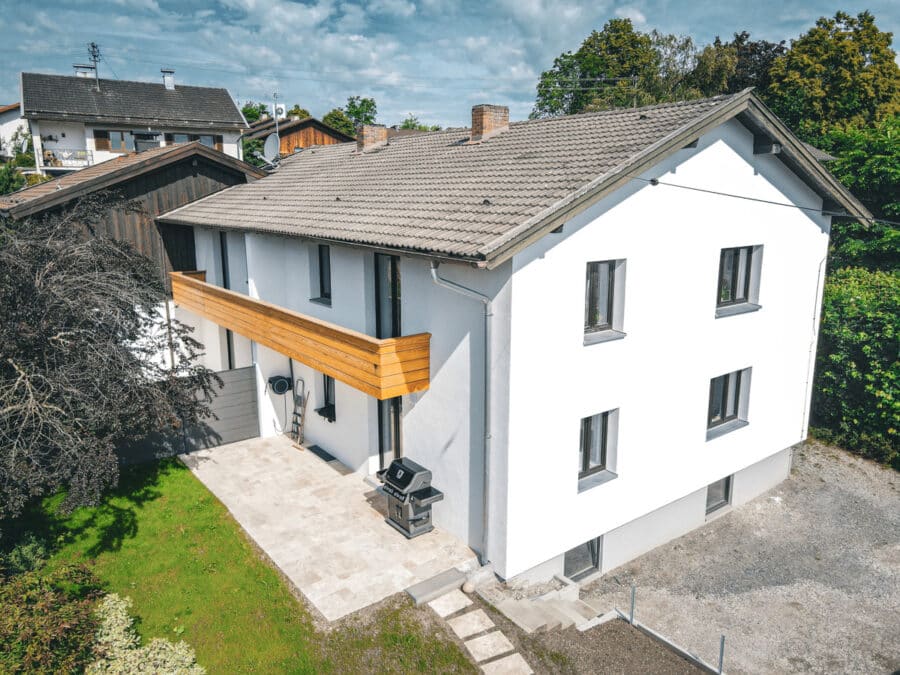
(432, 58)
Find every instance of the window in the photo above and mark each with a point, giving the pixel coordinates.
(604, 282)
(209, 140)
(172, 139)
(718, 495)
(327, 410)
(738, 287)
(114, 141)
(583, 560)
(597, 449)
(324, 260)
(727, 402)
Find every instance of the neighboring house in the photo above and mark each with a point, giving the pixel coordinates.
(297, 132)
(148, 183)
(11, 122)
(77, 121)
(632, 287)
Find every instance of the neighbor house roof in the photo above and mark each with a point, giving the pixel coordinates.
(289, 125)
(64, 97)
(107, 174)
(439, 194)
(7, 108)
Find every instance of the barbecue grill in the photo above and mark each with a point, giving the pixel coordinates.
(410, 496)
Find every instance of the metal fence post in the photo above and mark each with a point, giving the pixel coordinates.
(633, 588)
(721, 653)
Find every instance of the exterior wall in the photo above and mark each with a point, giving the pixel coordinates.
(658, 374)
(10, 123)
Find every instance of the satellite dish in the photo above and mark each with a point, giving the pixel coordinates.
(271, 147)
(279, 110)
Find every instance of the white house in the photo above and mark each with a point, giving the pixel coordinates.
(77, 121)
(597, 331)
(11, 123)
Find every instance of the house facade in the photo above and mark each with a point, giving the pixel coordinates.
(11, 123)
(596, 331)
(297, 132)
(78, 121)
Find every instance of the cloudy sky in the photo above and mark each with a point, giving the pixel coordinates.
(432, 58)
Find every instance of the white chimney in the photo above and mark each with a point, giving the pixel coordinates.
(168, 77)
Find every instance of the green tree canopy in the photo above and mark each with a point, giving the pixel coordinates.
(337, 119)
(361, 110)
(253, 111)
(841, 72)
(10, 179)
(297, 111)
(412, 122)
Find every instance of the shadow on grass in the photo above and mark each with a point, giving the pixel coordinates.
(107, 525)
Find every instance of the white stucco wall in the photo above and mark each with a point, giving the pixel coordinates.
(10, 123)
(658, 375)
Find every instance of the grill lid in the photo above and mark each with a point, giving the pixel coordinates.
(402, 472)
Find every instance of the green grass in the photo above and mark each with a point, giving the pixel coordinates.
(162, 539)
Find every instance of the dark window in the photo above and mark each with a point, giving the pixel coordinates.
(583, 560)
(324, 272)
(101, 140)
(598, 297)
(119, 141)
(594, 443)
(172, 139)
(327, 410)
(724, 398)
(735, 267)
(718, 494)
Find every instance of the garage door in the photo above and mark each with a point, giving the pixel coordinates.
(235, 409)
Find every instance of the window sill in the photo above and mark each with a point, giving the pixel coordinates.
(718, 512)
(602, 336)
(326, 302)
(327, 412)
(741, 308)
(595, 479)
(723, 429)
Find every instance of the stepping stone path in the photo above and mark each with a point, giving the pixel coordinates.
(487, 644)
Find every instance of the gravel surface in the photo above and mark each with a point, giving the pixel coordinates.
(805, 578)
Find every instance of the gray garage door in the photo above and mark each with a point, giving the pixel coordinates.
(235, 410)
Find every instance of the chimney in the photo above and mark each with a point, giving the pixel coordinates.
(168, 77)
(488, 120)
(82, 70)
(370, 137)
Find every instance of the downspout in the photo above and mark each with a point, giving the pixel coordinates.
(811, 356)
(488, 313)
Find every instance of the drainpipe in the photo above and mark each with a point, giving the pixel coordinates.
(488, 313)
(811, 356)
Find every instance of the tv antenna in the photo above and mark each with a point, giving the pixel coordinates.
(94, 56)
(275, 113)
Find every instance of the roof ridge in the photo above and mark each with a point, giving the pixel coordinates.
(114, 81)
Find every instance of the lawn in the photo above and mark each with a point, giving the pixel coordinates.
(165, 541)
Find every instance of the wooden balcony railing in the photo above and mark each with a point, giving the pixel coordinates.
(383, 368)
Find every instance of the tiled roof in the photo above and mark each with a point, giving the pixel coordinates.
(103, 175)
(439, 194)
(64, 97)
(286, 125)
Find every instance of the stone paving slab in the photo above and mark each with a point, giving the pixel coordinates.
(470, 624)
(488, 646)
(450, 603)
(318, 526)
(513, 664)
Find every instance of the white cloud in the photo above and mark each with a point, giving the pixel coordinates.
(402, 8)
(637, 16)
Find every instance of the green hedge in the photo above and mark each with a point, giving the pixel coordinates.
(855, 401)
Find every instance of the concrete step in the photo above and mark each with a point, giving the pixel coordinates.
(523, 614)
(555, 609)
(436, 586)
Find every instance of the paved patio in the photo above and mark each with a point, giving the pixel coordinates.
(323, 527)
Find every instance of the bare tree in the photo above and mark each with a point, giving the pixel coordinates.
(84, 361)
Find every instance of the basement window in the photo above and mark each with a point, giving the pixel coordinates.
(718, 495)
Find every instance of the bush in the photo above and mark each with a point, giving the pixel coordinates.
(47, 621)
(118, 645)
(25, 556)
(855, 400)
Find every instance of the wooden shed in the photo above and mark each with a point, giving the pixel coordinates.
(299, 133)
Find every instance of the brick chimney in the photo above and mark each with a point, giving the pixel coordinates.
(168, 77)
(371, 136)
(488, 120)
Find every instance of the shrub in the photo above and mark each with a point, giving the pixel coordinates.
(47, 621)
(25, 556)
(855, 401)
(118, 645)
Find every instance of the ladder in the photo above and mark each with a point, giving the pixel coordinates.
(298, 417)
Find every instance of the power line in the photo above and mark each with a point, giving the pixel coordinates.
(656, 181)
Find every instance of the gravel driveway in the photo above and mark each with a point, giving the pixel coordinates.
(805, 578)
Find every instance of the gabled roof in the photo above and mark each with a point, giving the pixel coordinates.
(108, 174)
(438, 194)
(8, 108)
(65, 97)
(290, 125)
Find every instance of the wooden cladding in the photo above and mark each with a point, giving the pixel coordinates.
(383, 368)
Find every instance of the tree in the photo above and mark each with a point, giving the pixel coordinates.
(252, 147)
(412, 122)
(754, 62)
(856, 400)
(337, 119)
(297, 111)
(841, 72)
(10, 179)
(81, 358)
(253, 111)
(868, 162)
(611, 68)
(677, 59)
(715, 68)
(361, 110)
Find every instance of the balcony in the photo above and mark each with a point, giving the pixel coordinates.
(67, 158)
(383, 368)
